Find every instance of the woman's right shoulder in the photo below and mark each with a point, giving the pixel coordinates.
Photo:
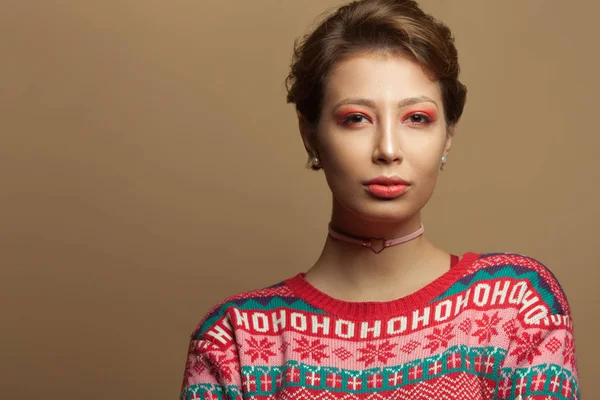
(218, 318)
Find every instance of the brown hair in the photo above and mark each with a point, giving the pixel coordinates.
(375, 25)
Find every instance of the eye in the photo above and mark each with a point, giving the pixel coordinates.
(353, 119)
(419, 119)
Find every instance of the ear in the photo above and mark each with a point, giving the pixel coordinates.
(449, 136)
(309, 135)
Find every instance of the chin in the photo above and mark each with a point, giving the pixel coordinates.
(365, 207)
(384, 211)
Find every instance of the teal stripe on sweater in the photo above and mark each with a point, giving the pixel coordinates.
(527, 377)
(205, 389)
(506, 272)
(253, 305)
(259, 372)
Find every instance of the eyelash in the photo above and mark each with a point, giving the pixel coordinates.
(347, 118)
(428, 120)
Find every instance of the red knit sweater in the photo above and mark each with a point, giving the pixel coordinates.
(494, 326)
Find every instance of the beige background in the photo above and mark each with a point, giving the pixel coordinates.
(150, 167)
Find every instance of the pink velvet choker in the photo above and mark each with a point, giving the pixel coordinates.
(376, 244)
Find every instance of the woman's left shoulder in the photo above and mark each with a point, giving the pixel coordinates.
(516, 260)
(538, 276)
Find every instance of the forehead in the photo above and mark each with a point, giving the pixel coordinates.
(380, 77)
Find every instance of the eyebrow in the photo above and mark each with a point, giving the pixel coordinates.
(402, 103)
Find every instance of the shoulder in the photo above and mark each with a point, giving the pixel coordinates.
(243, 300)
(218, 318)
(518, 267)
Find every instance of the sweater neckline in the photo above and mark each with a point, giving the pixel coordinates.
(379, 309)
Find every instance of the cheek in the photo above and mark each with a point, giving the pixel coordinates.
(426, 165)
(345, 153)
(345, 164)
(425, 156)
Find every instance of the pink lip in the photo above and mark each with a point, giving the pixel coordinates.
(387, 191)
(387, 187)
(387, 181)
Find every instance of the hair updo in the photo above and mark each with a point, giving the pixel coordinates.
(396, 26)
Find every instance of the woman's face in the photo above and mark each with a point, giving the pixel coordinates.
(381, 116)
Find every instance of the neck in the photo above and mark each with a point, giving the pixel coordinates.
(355, 226)
(352, 225)
(352, 259)
(366, 273)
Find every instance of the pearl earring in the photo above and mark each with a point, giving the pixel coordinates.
(315, 161)
(444, 159)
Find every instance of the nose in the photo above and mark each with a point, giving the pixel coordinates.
(387, 143)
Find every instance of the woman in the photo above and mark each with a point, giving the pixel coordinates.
(384, 313)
